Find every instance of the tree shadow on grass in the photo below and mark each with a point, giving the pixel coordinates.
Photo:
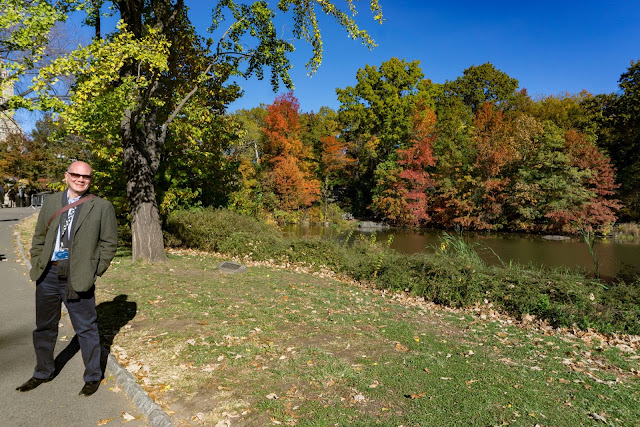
(112, 316)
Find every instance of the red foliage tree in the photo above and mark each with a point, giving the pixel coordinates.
(415, 161)
(600, 209)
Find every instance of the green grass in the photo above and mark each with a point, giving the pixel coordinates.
(336, 353)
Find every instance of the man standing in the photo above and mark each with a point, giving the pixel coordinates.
(74, 242)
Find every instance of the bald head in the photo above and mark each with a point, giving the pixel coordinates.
(78, 178)
(79, 165)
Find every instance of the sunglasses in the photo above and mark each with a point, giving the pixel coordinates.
(75, 176)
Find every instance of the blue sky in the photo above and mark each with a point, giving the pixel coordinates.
(550, 47)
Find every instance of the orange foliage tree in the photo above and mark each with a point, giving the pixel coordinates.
(495, 151)
(286, 159)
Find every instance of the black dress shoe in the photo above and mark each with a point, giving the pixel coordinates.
(89, 388)
(33, 382)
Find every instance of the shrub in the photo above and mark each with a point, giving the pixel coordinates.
(207, 228)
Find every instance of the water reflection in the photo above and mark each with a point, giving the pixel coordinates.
(524, 249)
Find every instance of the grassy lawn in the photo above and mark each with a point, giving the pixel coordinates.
(286, 347)
(276, 346)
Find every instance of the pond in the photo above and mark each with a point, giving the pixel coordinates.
(613, 257)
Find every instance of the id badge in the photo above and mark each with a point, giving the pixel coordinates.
(63, 254)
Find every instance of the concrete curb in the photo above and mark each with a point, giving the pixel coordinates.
(154, 414)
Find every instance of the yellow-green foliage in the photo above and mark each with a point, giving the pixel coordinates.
(97, 104)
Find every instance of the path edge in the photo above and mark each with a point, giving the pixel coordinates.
(154, 414)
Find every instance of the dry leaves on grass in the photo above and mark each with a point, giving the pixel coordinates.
(401, 348)
(198, 417)
(415, 396)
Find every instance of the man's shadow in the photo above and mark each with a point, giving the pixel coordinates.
(112, 316)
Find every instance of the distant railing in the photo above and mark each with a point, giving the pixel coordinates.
(38, 198)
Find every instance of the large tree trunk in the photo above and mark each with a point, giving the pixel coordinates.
(141, 159)
(142, 138)
(146, 231)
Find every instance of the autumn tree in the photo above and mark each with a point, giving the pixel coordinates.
(287, 158)
(140, 88)
(416, 160)
(56, 146)
(548, 189)
(316, 127)
(495, 152)
(599, 212)
(334, 162)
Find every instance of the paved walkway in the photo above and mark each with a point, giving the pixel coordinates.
(53, 404)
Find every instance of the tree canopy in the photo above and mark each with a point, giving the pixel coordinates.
(133, 86)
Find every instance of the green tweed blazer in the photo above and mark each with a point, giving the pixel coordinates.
(93, 245)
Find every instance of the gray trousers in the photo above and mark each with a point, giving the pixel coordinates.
(50, 294)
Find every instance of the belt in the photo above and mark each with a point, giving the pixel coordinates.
(54, 263)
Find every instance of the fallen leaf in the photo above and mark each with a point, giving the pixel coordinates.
(272, 396)
(446, 378)
(115, 388)
(471, 382)
(127, 417)
(401, 348)
(415, 396)
(133, 367)
(198, 417)
(104, 421)
(427, 370)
